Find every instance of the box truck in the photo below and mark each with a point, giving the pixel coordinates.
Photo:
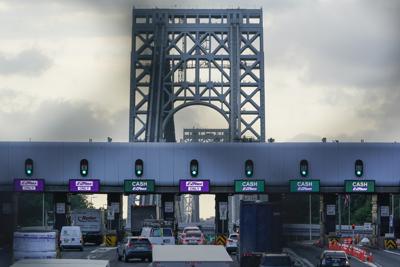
(141, 213)
(260, 231)
(91, 222)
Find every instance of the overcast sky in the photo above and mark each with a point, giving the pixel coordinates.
(332, 69)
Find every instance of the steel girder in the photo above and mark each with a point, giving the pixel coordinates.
(203, 57)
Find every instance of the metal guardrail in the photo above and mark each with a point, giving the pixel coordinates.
(303, 230)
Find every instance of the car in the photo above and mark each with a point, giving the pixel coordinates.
(232, 243)
(61, 263)
(276, 260)
(71, 238)
(135, 248)
(330, 258)
(159, 235)
(193, 238)
(186, 229)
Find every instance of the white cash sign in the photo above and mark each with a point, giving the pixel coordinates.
(360, 186)
(304, 186)
(139, 186)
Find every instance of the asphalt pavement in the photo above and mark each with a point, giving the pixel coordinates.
(310, 253)
(108, 253)
(386, 258)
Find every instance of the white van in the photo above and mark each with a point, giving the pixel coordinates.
(61, 263)
(159, 235)
(71, 237)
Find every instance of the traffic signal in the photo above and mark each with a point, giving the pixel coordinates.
(84, 167)
(28, 167)
(139, 167)
(359, 168)
(248, 168)
(303, 168)
(194, 168)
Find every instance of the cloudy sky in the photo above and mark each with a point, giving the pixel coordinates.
(332, 69)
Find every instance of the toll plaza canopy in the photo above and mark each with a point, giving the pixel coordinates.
(276, 167)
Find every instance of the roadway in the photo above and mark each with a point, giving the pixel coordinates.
(108, 253)
(310, 253)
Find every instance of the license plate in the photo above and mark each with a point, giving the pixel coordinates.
(166, 241)
(335, 264)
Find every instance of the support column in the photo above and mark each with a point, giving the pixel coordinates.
(62, 207)
(384, 212)
(8, 216)
(322, 220)
(374, 213)
(330, 213)
(168, 207)
(115, 200)
(221, 219)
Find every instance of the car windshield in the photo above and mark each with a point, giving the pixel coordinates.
(156, 232)
(70, 232)
(276, 261)
(193, 234)
(191, 229)
(335, 255)
(234, 237)
(167, 232)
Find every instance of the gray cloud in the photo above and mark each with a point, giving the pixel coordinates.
(28, 62)
(61, 120)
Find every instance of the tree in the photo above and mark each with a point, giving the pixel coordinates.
(30, 207)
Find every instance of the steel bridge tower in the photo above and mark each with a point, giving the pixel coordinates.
(185, 57)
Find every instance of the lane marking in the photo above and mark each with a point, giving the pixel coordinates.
(366, 262)
(392, 252)
(105, 249)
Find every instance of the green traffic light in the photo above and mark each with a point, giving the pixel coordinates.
(83, 172)
(29, 171)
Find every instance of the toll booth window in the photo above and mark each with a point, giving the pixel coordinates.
(156, 232)
(167, 232)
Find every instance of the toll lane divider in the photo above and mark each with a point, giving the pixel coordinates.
(359, 253)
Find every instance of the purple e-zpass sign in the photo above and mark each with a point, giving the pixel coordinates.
(28, 185)
(88, 186)
(194, 186)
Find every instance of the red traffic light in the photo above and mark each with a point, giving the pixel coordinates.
(353, 226)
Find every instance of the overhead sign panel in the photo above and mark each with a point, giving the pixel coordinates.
(194, 186)
(28, 185)
(139, 186)
(304, 186)
(84, 186)
(249, 186)
(359, 186)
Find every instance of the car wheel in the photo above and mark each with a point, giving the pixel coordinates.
(125, 259)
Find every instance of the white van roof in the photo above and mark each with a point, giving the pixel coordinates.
(183, 253)
(60, 263)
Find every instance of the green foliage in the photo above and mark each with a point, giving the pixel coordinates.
(80, 202)
(30, 207)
